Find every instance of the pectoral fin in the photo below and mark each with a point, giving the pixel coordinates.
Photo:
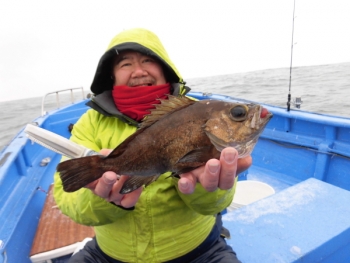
(196, 158)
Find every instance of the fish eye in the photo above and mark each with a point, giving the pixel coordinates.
(239, 113)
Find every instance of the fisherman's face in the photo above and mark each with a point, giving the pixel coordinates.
(135, 69)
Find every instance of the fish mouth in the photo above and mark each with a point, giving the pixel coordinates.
(260, 118)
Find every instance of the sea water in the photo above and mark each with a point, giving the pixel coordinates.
(323, 89)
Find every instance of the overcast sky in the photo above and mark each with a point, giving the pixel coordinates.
(49, 45)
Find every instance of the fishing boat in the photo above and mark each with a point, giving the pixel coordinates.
(292, 204)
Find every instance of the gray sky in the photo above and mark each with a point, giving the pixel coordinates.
(48, 45)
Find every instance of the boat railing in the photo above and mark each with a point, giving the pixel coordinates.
(43, 112)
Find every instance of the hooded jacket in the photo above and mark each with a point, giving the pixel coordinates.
(164, 224)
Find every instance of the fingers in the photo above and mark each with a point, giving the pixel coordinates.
(115, 195)
(131, 199)
(211, 175)
(227, 174)
(220, 173)
(216, 173)
(187, 182)
(108, 187)
(127, 200)
(105, 184)
(101, 186)
(244, 164)
(206, 175)
(105, 151)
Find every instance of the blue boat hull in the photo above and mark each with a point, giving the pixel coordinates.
(295, 147)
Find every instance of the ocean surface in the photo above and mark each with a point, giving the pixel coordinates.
(323, 89)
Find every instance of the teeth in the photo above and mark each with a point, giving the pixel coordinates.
(143, 84)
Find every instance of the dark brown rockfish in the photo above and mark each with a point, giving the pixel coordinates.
(178, 136)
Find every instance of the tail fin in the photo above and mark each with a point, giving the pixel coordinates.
(77, 173)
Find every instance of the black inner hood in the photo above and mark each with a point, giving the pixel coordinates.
(103, 81)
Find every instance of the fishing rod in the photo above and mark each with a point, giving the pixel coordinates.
(291, 63)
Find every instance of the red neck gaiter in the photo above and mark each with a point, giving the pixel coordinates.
(136, 102)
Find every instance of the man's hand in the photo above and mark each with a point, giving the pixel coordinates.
(215, 173)
(109, 185)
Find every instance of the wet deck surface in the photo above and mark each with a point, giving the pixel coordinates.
(307, 222)
(56, 230)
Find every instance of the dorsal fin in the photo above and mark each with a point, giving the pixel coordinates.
(166, 107)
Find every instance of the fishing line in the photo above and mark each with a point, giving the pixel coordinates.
(291, 63)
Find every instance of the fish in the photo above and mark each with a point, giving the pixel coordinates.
(178, 136)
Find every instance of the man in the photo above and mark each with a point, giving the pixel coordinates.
(172, 219)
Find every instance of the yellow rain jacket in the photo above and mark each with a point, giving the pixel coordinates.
(165, 224)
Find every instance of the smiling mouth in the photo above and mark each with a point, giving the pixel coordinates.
(143, 84)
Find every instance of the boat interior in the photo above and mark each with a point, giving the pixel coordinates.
(303, 157)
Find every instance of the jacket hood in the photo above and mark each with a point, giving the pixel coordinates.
(140, 40)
